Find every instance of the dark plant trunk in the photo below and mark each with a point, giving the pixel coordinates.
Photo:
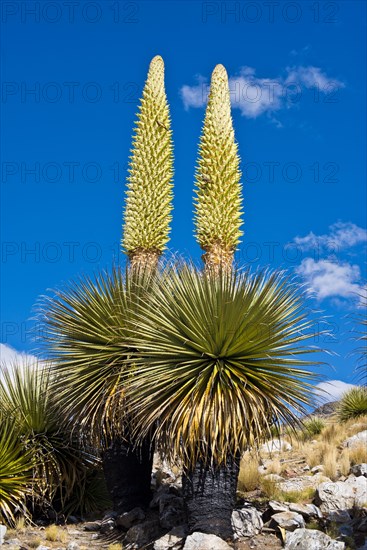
(210, 496)
(128, 474)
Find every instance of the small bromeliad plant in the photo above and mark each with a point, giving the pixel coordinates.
(353, 404)
(15, 471)
(55, 461)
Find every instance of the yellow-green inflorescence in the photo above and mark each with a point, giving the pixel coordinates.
(218, 198)
(149, 195)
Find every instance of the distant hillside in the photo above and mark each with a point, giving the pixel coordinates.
(326, 410)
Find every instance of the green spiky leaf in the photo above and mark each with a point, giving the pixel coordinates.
(58, 463)
(218, 361)
(218, 191)
(149, 194)
(85, 330)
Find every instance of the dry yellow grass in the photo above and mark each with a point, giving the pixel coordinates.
(344, 462)
(115, 546)
(249, 476)
(358, 454)
(329, 461)
(53, 533)
(274, 467)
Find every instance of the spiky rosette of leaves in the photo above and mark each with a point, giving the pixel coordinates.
(217, 183)
(149, 193)
(218, 361)
(57, 461)
(353, 404)
(15, 471)
(85, 334)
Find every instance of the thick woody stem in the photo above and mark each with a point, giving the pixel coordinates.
(218, 259)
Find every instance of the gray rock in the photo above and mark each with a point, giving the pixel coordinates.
(73, 546)
(306, 510)
(201, 541)
(13, 542)
(317, 469)
(290, 521)
(306, 468)
(73, 520)
(359, 469)
(273, 477)
(107, 526)
(41, 547)
(303, 482)
(127, 519)
(276, 446)
(173, 540)
(278, 506)
(143, 533)
(163, 495)
(2, 533)
(356, 440)
(246, 522)
(338, 499)
(311, 539)
(92, 526)
(171, 510)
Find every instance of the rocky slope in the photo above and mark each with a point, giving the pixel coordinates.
(298, 508)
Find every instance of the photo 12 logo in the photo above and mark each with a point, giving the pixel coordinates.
(69, 11)
(269, 12)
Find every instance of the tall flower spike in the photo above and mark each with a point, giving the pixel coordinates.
(149, 195)
(217, 180)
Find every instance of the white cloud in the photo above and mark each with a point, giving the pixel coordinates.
(341, 235)
(332, 390)
(313, 77)
(328, 279)
(195, 96)
(255, 96)
(10, 357)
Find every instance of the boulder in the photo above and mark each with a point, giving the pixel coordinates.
(359, 470)
(290, 521)
(277, 506)
(276, 446)
(303, 482)
(143, 533)
(317, 469)
(202, 541)
(173, 540)
(107, 525)
(73, 546)
(92, 525)
(127, 519)
(358, 439)
(308, 511)
(311, 539)
(338, 499)
(2, 533)
(246, 522)
(171, 510)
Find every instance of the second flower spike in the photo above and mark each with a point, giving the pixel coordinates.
(218, 189)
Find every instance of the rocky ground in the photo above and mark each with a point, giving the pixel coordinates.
(314, 513)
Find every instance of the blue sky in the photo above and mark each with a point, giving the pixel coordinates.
(72, 74)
